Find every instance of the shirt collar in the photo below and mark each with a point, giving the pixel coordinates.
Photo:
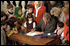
(38, 7)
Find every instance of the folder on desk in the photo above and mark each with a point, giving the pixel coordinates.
(48, 34)
(38, 36)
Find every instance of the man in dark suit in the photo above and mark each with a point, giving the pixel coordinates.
(47, 24)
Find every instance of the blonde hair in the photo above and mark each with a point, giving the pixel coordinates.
(37, 2)
(65, 9)
(55, 10)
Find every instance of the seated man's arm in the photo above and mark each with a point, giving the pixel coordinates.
(38, 27)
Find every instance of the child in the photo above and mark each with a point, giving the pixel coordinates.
(10, 12)
(3, 34)
(3, 16)
(29, 10)
(13, 27)
(30, 23)
(19, 14)
(60, 26)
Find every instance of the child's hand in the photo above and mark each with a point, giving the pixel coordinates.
(59, 32)
(15, 32)
(23, 28)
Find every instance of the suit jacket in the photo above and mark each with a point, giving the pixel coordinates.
(49, 28)
(55, 5)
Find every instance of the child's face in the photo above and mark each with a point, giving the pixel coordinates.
(58, 27)
(15, 23)
(10, 10)
(3, 18)
(20, 12)
(30, 10)
(30, 19)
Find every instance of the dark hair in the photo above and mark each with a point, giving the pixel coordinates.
(11, 22)
(3, 14)
(3, 22)
(29, 6)
(19, 8)
(60, 24)
(9, 6)
(67, 22)
(29, 15)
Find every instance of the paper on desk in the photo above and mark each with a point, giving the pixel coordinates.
(31, 33)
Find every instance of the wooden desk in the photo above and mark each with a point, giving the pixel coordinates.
(34, 41)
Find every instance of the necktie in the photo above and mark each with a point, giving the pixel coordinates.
(45, 26)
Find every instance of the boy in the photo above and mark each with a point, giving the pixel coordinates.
(60, 26)
(3, 34)
(29, 10)
(3, 16)
(10, 10)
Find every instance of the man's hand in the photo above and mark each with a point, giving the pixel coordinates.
(39, 33)
(32, 30)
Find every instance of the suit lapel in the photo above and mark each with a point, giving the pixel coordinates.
(43, 26)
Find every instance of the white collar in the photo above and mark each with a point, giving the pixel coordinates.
(30, 21)
(37, 9)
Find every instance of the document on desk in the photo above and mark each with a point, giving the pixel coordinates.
(31, 33)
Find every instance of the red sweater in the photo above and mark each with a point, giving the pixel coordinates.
(66, 29)
(40, 14)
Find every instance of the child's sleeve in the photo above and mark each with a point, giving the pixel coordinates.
(10, 33)
(25, 24)
(34, 25)
(23, 16)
